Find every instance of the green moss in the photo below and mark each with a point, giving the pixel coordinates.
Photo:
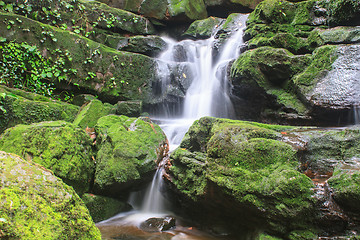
(58, 146)
(322, 60)
(37, 205)
(89, 114)
(342, 11)
(26, 108)
(128, 149)
(194, 10)
(303, 235)
(203, 28)
(112, 74)
(102, 208)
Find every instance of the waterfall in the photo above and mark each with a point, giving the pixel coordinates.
(207, 94)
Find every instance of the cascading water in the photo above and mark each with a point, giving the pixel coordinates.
(207, 95)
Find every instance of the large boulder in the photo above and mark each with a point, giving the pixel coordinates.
(129, 150)
(20, 107)
(34, 204)
(90, 66)
(243, 172)
(58, 146)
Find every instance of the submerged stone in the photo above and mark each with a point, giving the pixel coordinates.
(34, 204)
(158, 224)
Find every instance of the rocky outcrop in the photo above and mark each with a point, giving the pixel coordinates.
(128, 152)
(102, 208)
(58, 146)
(231, 169)
(235, 169)
(92, 67)
(36, 204)
(20, 107)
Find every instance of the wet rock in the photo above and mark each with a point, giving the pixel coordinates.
(203, 28)
(128, 108)
(223, 163)
(129, 150)
(158, 224)
(59, 146)
(91, 112)
(102, 208)
(36, 204)
(20, 107)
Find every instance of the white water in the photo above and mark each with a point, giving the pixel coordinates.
(207, 95)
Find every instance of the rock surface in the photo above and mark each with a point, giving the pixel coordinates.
(58, 146)
(158, 224)
(34, 204)
(128, 152)
(20, 107)
(235, 169)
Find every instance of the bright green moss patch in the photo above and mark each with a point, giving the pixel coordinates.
(58, 146)
(34, 204)
(19, 107)
(89, 114)
(128, 149)
(203, 28)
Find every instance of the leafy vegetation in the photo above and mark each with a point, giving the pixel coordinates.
(23, 66)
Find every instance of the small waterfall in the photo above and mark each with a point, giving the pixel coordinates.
(207, 94)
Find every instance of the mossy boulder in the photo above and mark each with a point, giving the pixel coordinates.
(34, 204)
(58, 146)
(203, 28)
(320, 83)
(102, 208)
(129, 108)
(89, 15)
(129, 150)
(20, 107)
(239, 169)
(169, 10)
(91, 112)
(345, 185)
(263, 75)
(92, 67)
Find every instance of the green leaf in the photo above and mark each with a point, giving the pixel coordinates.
(2, 39)
(49, 75)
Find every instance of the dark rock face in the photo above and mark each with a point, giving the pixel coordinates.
(158, 224)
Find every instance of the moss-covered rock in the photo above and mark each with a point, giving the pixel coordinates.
(91, 112)
(203, 28)
(95, 68)
(58, 146)
(34, 204)
(129, 108)
(102, 208)
(223, 163)
(169, 10)
(265, 73)
(345, 184)
(128, 152)
(20, 107)
(82, 17)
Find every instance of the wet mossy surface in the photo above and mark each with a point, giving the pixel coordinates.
(102, 208)
(128, 152)
(248, 165)
(22, 107)
(111, 74)
(58, 146)
(37, 205)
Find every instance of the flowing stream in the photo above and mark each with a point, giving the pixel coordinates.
(207, 95)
